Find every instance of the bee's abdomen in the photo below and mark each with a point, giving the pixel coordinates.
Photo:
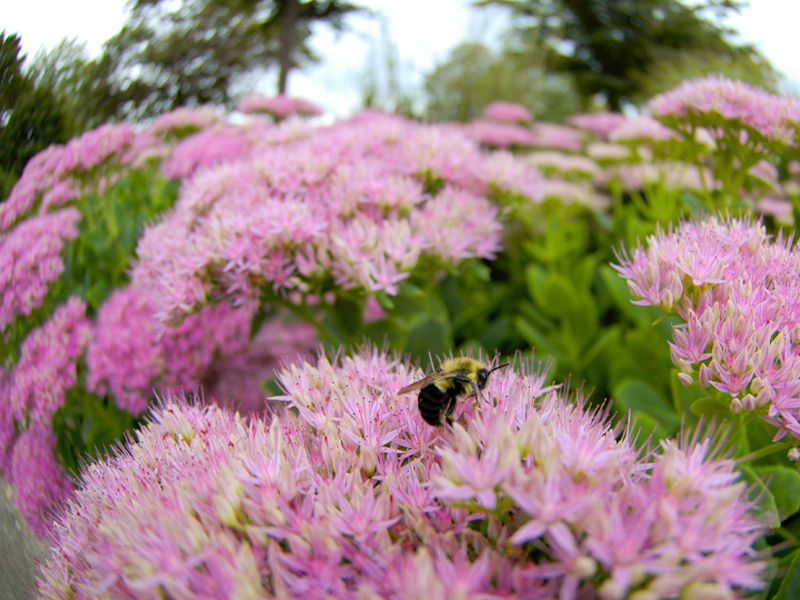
(432, 403)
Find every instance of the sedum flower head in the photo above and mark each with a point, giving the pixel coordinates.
(349, 494)
(346, 202)
(735, 290)
(773, 117)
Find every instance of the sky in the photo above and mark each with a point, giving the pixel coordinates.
(420, 35)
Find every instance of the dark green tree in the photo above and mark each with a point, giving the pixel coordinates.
(473, 76)
(607, 45)
(30, 117)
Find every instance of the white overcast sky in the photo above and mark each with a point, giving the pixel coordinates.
(423, 31)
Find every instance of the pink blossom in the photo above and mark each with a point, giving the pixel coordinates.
(754, 108)
(557, 137)
(31, 260)
(552, 163)
(349, 494)
(39, 481)
(47, 365)
(348, 200)
(184, 121)
(280, 106)
(204, 149)
(641, 129)
(735, 291)
(131, 355)
(498, 135)
(601, 124)
(507, 112)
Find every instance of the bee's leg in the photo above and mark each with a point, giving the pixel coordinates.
(449, 410)
(479, 392)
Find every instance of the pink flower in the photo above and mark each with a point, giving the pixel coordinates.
(770, 116)
(507, 112)
(349, 494)
(47, 365)
(184, 121)
(601, 124)
(279, 106)
(30, 260)
(498, 135)
(735, 291)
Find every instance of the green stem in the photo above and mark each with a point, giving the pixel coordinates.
(766, 451)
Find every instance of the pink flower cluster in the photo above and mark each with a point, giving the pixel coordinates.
(346, 201)
(131, 355)
(185, 120)
(352, 495)
(32, 392)
(507, 112)
(737, 294)
(774, 117)
(30, 260)
(279, 106)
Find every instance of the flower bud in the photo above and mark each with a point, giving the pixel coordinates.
(736, 406)
(794, 454)
(686, 379)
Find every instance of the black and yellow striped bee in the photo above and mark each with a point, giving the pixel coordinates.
(439, 392)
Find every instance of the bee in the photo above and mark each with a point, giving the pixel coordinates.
(438, 392)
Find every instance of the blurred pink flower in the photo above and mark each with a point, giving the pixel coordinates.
(278, 106)
(601, 123)
(773, 117)
(507, 112)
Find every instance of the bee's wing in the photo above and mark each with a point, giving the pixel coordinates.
(438, 376)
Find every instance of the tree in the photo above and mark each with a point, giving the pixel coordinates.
(474, 76)
(202, 51)
(606, 45)
(30, 117)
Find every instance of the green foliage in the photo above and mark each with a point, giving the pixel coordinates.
(203, 51)
(473, 77)
(610, 46)
(30, 117)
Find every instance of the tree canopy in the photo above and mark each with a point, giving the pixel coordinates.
(609, 46)
(30, 117)
(202, 51)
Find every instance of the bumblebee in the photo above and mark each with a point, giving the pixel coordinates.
(438, 392)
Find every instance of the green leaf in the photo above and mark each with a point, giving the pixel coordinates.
(784, 483)
(790, 588)
(347, 316)
(637, 395)
(766, 507)
(710, 407)
(430, 337)
(535, 337)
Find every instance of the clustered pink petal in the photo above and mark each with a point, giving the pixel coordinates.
(47, 365)
(736, 292)
(771, 116)
(499, 135)
(40, 483)
(557, 137)
(132, 356)
(280, 106)
(185, 120)
(600, 124)
(205, 149)
(347, 201)
(507, 112)
(30, 260)
(349, 494)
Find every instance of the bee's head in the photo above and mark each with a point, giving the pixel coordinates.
(483, 374)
